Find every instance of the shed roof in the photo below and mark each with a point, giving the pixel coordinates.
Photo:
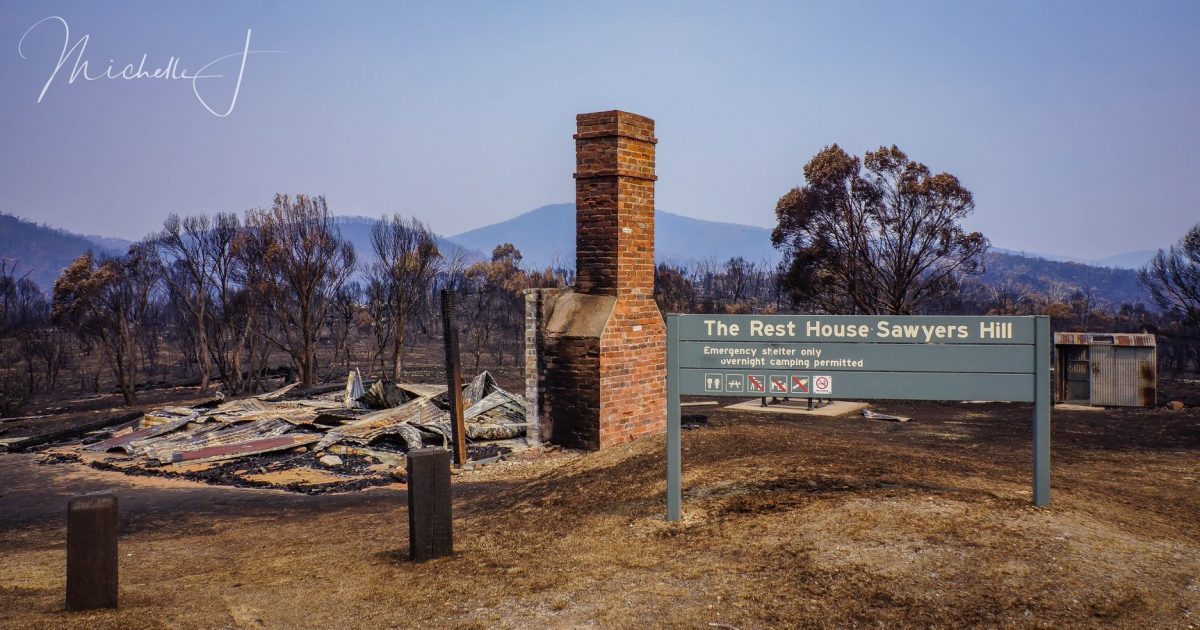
(1107, 339)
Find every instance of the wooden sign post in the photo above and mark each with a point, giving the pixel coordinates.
(92, 551)
(453, 378)
(430, 520)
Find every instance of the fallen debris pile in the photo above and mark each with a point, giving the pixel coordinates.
(322, 439)
(875, 415)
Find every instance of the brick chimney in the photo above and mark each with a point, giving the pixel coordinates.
(614, 204)
(596, 356)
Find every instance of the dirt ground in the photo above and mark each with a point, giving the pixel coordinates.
(788, 522)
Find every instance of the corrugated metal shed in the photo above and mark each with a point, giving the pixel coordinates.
(1106, 369)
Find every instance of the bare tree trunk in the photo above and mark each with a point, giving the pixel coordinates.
(256, 366)
(202, 351)
(398, 352)
(121, 370)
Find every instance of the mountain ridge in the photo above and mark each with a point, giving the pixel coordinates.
(42, 251)
(1128, 260)
(675, 239)
(545, 236)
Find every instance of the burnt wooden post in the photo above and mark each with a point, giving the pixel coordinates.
(92, 551)
(453, 378)
(430, 528)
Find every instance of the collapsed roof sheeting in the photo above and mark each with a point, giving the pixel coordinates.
(422, 411)
(480, 386)
(322, 417)
(127, 441)
(491, 413)
(212, 434)
(257, 446)
(497, 416)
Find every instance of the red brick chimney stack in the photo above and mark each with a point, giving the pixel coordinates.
(614, 199)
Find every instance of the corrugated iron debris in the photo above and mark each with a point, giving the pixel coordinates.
(285, 438)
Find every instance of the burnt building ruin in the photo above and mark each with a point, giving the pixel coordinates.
(596, 354)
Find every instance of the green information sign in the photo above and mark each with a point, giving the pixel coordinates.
(860, 357)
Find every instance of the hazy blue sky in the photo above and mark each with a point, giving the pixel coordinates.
(1076, 125)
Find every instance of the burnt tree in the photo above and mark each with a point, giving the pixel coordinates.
(879, 235)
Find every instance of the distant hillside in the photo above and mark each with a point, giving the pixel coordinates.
(1112, 284)
(358, 231)
(40, 250)
(547, 235)
(114, 244)
(1128, 260)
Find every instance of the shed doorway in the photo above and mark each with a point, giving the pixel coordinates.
(1076, 365)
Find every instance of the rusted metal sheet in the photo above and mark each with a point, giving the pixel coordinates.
(1113, 339)
(279, 393)
(423, 390)
(327, 419)
(422, 411)
(497, 416)
(354, 390)
(320, 405)
(1123, 376)
(243, 449)
(245, 406)
(295, 412)
(213, 435)
(384, 457)
(498, 405)
(480, 386)
(168, 414)
(126, 442)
